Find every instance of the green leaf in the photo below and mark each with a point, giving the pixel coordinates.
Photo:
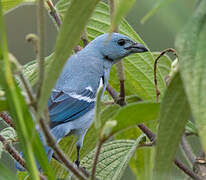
(113, 159)
(156, 7)
(141, 164)
(74, 22)
(6, 174)
(3, 105)
(134, 114)
(173, 116)
(191, 44)
(9, 4)
(122, 7)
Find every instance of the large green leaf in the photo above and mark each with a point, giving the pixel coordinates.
(113, 159)
(191, 44)
(134, 114)
(173, 116)
(9, 4)
(74, 22)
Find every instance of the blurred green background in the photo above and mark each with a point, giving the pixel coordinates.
(158, 32)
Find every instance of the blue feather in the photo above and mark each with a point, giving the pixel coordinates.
(64, 107)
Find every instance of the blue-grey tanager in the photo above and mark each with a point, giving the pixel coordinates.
(72, 101)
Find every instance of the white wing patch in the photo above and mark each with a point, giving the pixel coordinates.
(89, 88)
(80, 97)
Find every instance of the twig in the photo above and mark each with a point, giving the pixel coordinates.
(112, 92)
(7, 119)
(119, 65)
(180, 165)
(52, 143)
(187, 150)
(54, 14)
(147, 131)
(155, 69)
(41, 45)
(12, 151)
(96, 159)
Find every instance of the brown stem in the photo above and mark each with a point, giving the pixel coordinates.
(112, 92)
(155, 69)
(179, 164)
(12, 151)
(119, 65)
(147, 131)
(52, 143)
(96, 159)
(54, 13)
(7, 119)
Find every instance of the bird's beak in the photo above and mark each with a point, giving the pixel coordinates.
(137, 48)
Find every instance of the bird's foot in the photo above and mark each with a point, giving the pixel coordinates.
(77, 162)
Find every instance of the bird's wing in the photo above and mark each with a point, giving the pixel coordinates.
(64, 107)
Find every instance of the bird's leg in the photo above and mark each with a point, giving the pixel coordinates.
(77, 162)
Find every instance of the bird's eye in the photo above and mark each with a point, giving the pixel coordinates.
(121, 42)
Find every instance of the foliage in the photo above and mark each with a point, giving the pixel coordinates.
(115, 132)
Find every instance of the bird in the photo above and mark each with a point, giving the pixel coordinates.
(71, 105)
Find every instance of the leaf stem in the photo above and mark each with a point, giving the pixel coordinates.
(155, 69)
(119, 65)
(96, 159)
(41, 33)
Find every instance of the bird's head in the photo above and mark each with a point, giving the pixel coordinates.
(117, 46)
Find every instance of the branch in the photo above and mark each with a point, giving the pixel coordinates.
(96, 159)
(54, 13)
(7, 119)
(112, 92)
(13, 152)
(119, 65)
(179, 164)
(155, 69)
